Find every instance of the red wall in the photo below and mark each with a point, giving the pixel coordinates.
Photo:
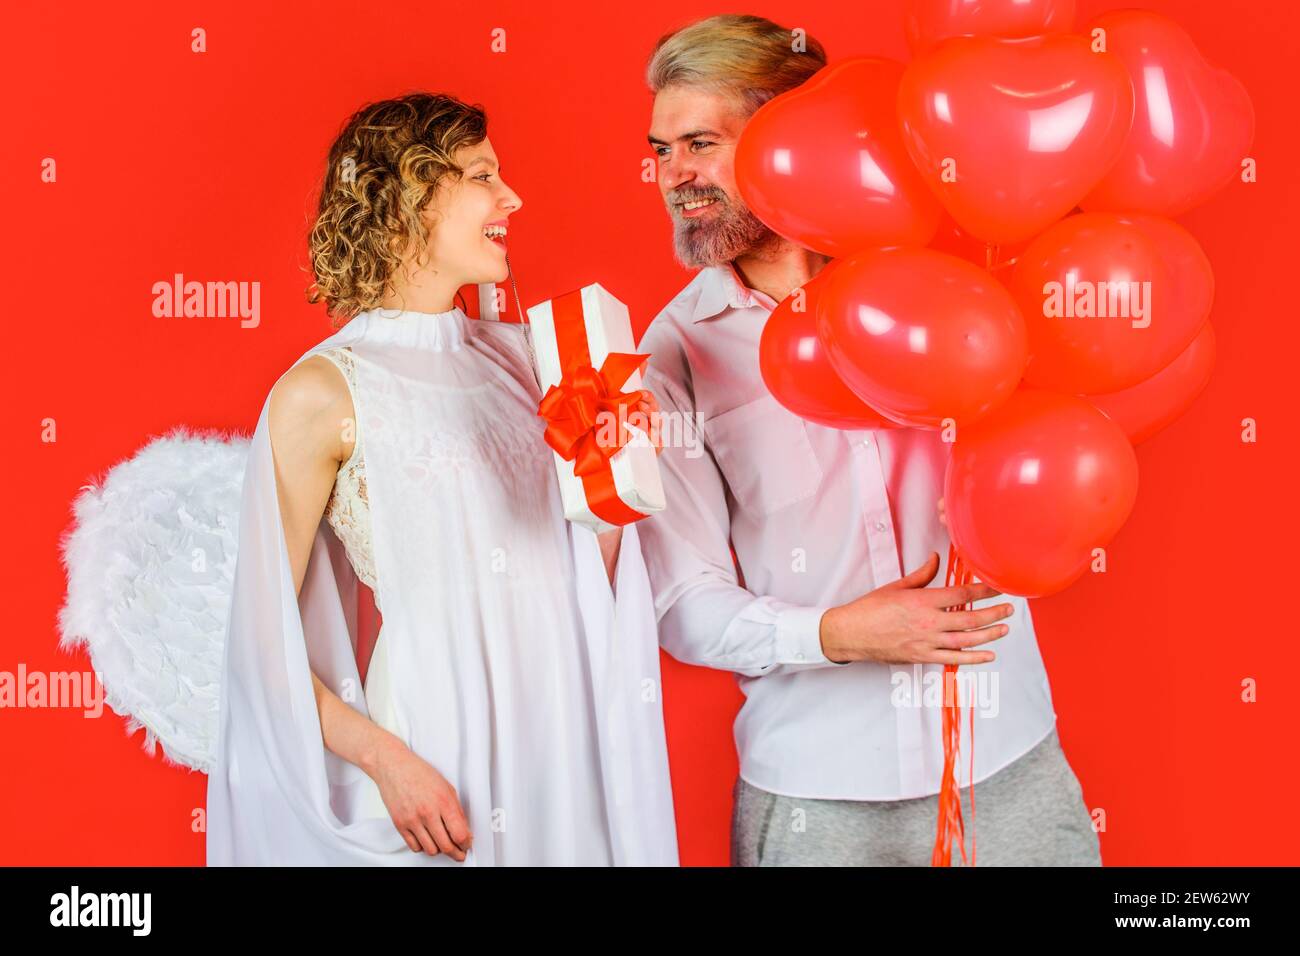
(171, 161)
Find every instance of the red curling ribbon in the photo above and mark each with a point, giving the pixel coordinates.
(950, 824)
(574, 408)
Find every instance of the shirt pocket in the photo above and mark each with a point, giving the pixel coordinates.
(765, 455)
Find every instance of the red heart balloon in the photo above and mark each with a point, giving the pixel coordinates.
(1011, 134)
(1150, 406)
(824, 164)
(797, 371)
(921, 336)
(1192, 127)
(926, 22)
(1034, 487)
(1109, 300)
(1192, 283)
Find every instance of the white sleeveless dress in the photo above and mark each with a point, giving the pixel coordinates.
(503, 659)
(348, 514)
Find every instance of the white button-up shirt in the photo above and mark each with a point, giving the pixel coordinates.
(817, 516)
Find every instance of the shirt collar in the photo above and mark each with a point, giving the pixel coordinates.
(724, 289)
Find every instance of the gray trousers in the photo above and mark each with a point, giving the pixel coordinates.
(1029, 813)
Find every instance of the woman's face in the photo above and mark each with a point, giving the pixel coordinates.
(467, 220)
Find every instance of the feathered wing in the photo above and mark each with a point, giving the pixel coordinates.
(150, 561)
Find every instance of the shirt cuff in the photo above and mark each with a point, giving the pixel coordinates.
(798, 636)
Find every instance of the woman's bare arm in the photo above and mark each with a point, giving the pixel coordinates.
(307, 419)
(609, 545)
(310, 421)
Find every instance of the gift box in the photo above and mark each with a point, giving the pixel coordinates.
(590, 374)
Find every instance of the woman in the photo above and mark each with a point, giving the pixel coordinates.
(511, 711)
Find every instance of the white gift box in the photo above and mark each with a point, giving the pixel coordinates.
(606, 328)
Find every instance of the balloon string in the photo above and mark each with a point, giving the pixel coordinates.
(950, 824)
(966, 578)
(971, 778)
(990, 255)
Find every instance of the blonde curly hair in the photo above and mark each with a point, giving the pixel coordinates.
(383, 169)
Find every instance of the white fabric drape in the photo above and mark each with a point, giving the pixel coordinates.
(512, 668)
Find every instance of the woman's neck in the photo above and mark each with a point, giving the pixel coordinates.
(421, 293)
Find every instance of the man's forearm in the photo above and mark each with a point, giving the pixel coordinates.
(728, 628)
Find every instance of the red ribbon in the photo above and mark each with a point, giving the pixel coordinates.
(574, 407)
(950, 825)
(585, 412)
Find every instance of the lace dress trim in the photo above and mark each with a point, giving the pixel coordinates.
(348, 508)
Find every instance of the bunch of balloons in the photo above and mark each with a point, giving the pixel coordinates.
(1005, 267)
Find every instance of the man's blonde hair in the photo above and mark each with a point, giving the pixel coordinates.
(748, 58)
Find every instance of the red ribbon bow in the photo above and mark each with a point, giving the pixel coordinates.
(572, 410)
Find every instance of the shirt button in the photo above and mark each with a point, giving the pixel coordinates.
(866, 443)
(798, 655)
(879, 526)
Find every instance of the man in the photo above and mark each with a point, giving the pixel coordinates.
(839, 652)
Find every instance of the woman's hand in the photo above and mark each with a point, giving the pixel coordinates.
(424, 806)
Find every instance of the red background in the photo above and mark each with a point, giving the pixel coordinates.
(206, 164)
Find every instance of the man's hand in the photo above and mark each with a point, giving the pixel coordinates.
(905, 622)
(647, 412)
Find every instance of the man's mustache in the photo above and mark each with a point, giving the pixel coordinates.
(678, 197)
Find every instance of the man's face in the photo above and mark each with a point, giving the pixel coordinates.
(693, 132)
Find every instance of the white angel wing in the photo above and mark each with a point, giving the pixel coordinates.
(150, 560)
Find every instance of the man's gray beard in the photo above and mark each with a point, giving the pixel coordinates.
(733, 232)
